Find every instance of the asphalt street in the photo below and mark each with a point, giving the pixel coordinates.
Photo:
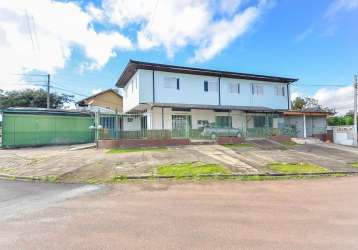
(290, 214)
(19, 197)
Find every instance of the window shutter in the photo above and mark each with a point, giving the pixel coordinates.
(171, 82)
(213, 86)
(178, 87)
(238, 88)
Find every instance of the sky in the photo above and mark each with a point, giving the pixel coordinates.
(85, 45)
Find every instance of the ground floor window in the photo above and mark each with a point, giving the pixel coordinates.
(259, 121)
(263, 121)
(223, 121)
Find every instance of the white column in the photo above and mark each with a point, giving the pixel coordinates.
(304, 127)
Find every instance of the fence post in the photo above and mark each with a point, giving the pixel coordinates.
(96, 124)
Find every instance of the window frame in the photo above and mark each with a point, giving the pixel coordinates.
(171, 82)
(234, 88)
(254, 89)
(206, 86)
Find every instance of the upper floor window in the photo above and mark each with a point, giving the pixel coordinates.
(257, 89)
(234, 88)
(280, 90)
(171, 83)
(210, 86)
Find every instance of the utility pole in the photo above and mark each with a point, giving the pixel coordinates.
(355, 83)
(48, 91)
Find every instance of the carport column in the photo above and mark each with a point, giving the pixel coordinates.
(304, 127)
(162, 118)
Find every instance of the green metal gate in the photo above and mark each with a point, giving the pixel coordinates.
(181, 125)
(25, 127)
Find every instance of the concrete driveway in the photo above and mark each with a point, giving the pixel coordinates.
(97, 165)
(294, 214)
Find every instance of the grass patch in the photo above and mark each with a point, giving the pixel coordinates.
(118, 178)
(354, 164)
(49, 178)
(239, 145)
(296, 168)
(132, 150)
(191, 169)
(289, 143)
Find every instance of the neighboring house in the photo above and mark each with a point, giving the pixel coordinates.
(106, 101)
(177, 98)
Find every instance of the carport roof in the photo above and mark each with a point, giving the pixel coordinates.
(308, 113)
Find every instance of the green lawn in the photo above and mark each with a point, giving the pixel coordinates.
(191, 169)
(289, 143)
(130, 150)
(354, 164)
(239, 145)
(296, 168)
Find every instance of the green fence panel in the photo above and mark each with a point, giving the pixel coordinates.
(45, 129)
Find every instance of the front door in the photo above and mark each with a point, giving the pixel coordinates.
(181, 125)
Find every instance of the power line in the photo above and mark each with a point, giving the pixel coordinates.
(35, 32)
(69, 91)
(76, 93)
(29, 29)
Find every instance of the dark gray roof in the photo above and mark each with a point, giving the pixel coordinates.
(132, 67)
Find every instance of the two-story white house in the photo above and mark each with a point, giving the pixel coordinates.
(173, 97)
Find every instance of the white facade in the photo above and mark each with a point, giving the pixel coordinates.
(191, 90)
(159, 118)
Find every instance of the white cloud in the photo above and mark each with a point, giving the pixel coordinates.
(220, 34)
(303, 35)
(208, 26)
(340, 99)
(341, 5)
(295, 94)
(40, 35)
(95, 91)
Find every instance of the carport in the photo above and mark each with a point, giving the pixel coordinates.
(308, 123)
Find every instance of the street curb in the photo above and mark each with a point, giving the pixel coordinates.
(146, 177)
(20, 178)
(138, 177)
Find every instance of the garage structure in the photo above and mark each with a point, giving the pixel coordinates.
(307, 123)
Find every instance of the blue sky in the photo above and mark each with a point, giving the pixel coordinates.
(315, 41)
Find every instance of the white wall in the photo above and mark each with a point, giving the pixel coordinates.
(343, 134)
(192, 91)
(154, 117)
(131, 93)
(131, 123)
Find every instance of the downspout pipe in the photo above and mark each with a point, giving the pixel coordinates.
(219, 90)
(153, 85)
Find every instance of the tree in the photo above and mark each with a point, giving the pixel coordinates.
(298, 103)
(309, 103)
(346, 119)
(36, 98)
